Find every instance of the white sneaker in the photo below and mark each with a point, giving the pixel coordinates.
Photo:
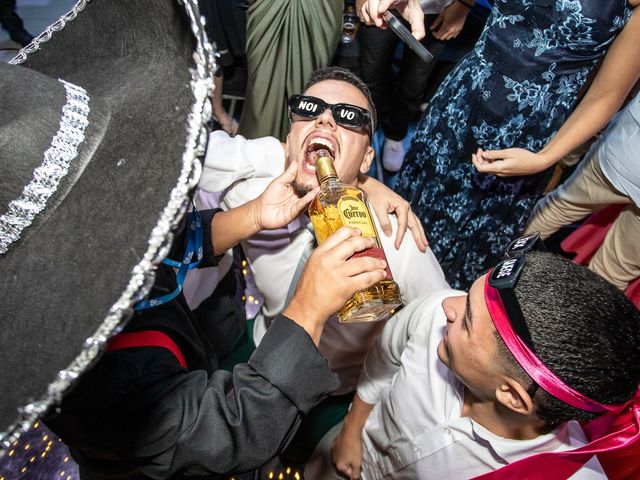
(392, 154)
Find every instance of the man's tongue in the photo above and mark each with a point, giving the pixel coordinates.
(314, 155)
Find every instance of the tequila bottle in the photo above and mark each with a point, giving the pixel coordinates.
(336, 205)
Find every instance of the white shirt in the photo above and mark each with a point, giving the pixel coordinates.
(242, 169)
(415, 430)
(620, 151)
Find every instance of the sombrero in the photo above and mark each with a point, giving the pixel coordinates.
(103, 123)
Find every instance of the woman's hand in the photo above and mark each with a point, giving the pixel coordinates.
(449, 23)
(370, 12)
(385, 202)
(510, 162)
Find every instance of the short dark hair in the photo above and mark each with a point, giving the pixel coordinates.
(583, 328)
(344, 75)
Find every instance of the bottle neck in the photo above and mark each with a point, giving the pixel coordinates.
(325, 171)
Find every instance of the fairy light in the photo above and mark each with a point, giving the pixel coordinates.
(37, 455)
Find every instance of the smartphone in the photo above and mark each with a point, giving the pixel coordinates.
(404, 33)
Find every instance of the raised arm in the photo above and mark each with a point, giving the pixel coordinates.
(274, 208)
(618, 74)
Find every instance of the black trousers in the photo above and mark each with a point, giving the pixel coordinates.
(397, 102)
(10, 21)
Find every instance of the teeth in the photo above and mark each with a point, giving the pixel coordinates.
(322, 141)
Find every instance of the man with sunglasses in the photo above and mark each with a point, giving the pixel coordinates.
(333, 116)
(492, 384)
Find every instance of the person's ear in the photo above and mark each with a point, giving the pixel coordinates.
(367, 159)
(285, 146)
(514, 396)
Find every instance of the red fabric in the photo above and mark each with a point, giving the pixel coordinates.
(612, 437)
(587, 239)
(146, 338)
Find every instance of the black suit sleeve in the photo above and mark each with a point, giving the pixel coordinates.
(141, 409)
(236, 421)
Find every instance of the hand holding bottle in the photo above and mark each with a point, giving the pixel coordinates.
(331, 277)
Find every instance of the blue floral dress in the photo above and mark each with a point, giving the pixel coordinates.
(515, 89)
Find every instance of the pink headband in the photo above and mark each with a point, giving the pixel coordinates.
(531, 364)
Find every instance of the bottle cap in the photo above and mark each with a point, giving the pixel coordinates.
(325, 169)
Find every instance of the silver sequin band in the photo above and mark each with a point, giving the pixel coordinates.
(45, 36)
(55, 166)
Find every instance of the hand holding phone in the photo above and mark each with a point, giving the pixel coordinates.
(403, 32)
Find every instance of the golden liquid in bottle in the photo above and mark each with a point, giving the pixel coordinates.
(335, 206)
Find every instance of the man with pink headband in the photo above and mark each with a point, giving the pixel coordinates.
(532, 374)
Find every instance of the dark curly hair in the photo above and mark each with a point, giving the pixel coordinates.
(583, 328)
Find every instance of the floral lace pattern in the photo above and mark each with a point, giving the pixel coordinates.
(515, 89)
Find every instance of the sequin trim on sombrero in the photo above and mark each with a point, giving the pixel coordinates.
(55, 166)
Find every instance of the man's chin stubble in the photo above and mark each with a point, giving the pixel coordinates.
(300, 189)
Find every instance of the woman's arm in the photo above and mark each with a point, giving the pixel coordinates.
(618, 74)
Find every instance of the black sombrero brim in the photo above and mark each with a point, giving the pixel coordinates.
(70, 280)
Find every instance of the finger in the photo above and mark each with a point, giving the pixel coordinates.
(495, 154)
(376, 9)
(482, 167)
(358, 265)
(491, 168)
(402, 213)
(417, 231)
(364, 13)
(306, 200)
(383, 218)
(289, 174)
(347, 248)
(436, 23)
(367, 279)
(338, 237)
(417, 25)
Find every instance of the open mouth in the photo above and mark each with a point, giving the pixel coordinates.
(317, 147)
